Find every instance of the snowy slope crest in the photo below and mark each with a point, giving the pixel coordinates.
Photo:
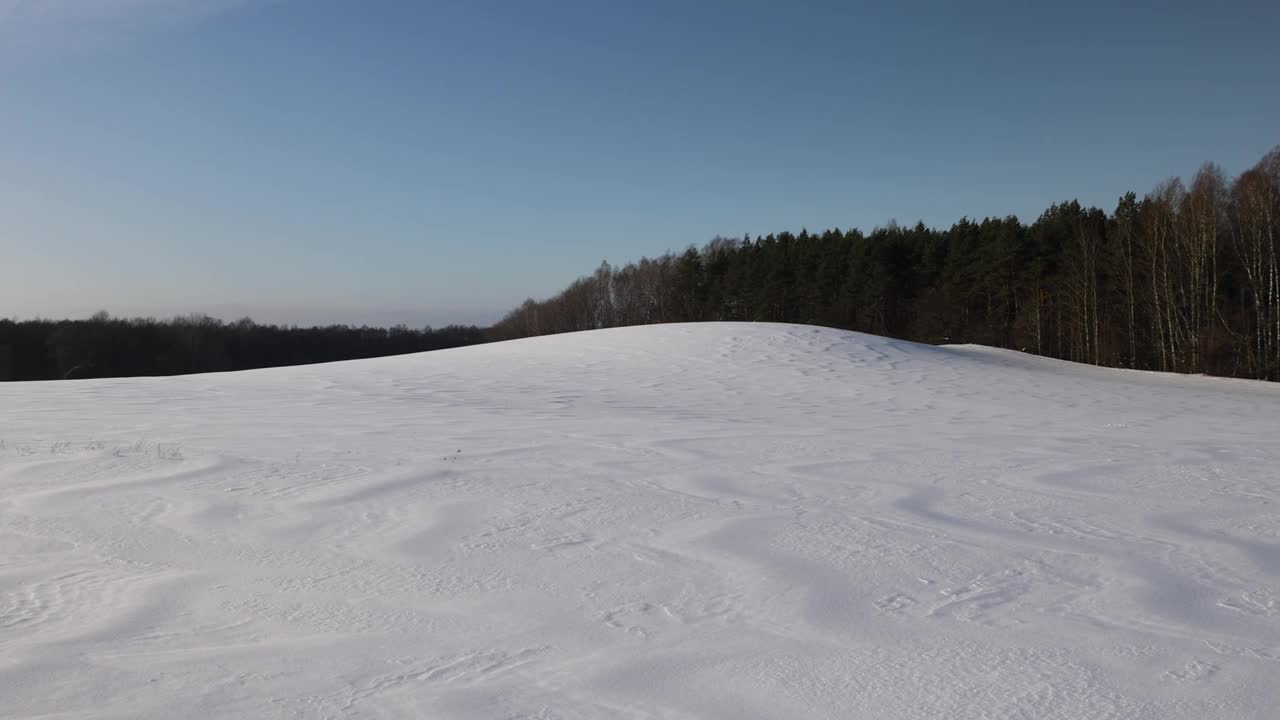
(690, 521)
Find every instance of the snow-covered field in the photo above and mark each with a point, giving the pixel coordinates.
(690, 521)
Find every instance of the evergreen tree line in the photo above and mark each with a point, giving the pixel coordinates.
(1184, 279)
(103, 346)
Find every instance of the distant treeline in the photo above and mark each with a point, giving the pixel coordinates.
(103, 346)
(1184, 279)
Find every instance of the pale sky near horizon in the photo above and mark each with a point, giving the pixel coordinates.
(383, 161)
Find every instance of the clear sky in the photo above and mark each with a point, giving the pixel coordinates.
(437, 161)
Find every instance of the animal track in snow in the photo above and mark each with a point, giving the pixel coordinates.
(896, 602)
(562, 542)
(1257, 602)
(1193, 671)
(983, 599)
(641, 619)
(463, 669)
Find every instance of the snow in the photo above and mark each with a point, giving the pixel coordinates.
(683, 521)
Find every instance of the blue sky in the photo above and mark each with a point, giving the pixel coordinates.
(436, 161)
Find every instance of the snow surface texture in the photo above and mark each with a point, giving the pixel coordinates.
(692, 521)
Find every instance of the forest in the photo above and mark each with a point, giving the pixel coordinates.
(103, 346)
(1185, 279)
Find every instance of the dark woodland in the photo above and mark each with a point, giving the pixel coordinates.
(1184, 279)
(103, 346)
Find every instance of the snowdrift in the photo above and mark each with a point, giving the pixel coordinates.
(684, 521)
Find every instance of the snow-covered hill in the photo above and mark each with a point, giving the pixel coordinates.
(690, 521)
